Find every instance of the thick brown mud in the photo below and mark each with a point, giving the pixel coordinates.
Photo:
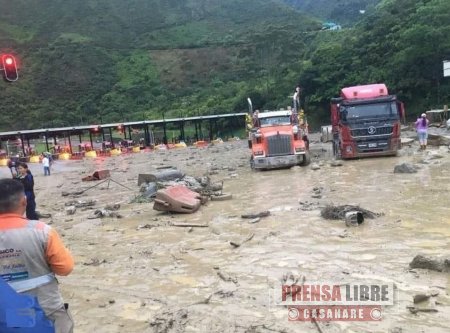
(140, 274)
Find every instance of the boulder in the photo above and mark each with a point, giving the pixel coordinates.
(405, 168)
(438, 140)
(439, 265)
(165, 175)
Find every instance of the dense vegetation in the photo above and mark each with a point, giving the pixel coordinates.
(110, 61)
(343, 12)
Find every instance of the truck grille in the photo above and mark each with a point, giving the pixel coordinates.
(365, 131)
(279, 145)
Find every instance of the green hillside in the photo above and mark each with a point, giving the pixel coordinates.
(109, 61)
(91, 61)
(344, 12)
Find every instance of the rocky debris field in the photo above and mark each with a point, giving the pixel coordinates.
(139, 270)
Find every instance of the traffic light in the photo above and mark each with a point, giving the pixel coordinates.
(9, 66)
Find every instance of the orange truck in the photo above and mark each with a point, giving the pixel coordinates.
(277, 140)
(366, 122)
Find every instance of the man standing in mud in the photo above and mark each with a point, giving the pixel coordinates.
(255, 118)
(296, 100)
(31, 253)
(12, 165)
(295, 106)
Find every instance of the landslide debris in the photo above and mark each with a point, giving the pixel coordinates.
(331, 212)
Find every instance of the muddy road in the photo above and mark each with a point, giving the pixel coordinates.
(141, 274)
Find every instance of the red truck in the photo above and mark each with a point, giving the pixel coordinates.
(366, 122)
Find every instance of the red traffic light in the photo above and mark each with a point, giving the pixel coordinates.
(9, 67)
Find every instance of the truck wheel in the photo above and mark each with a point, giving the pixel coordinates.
(306, 159)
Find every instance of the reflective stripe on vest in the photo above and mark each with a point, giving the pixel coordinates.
(25, 285)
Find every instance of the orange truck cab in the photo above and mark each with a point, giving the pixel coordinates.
(276, 141)
(366, 122)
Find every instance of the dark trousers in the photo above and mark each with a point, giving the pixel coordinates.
(31, 209)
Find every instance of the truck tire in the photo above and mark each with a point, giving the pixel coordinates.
(306, 159)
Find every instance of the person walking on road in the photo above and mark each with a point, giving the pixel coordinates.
(422, 130)
(35, 253)
(46, 164)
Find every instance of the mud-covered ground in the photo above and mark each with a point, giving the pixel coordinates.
(140, 273)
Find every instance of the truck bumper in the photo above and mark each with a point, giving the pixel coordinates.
(277, 161)
(370, 148)
(372, 154)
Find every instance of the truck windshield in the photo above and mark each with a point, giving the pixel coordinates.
(271, 121)
(365, 111)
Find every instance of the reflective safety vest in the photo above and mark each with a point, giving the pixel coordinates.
(28, 284)
(31, 252)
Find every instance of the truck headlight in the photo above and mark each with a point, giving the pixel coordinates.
(295, 129)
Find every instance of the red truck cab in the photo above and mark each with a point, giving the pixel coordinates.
(366, 122)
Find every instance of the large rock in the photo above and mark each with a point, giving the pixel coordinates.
(159, 176)
(336, 163)
(71, 210)
(405, 168)
(315, 166)
(438, 140)
(439, 265)
(149, 190)
(407, 141)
